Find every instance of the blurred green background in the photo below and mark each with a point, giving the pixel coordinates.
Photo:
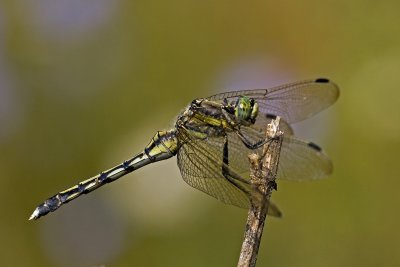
(85, 85)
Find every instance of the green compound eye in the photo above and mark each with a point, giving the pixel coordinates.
(246, 109)
(254, 111)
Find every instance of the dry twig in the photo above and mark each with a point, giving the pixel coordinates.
(263, 169)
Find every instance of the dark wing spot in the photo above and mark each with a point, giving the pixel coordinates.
(322, 80)
(314, 146)
(271, 116)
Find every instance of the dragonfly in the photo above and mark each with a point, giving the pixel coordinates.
(213, 137)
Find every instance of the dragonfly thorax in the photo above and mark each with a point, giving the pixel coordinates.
(246, 109)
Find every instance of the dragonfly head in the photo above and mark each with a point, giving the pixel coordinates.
(246, 109)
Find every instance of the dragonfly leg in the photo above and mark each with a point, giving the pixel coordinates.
(231, 177)
(228, 117)
(249, 144)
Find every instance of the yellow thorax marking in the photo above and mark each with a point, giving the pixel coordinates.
(211, 120)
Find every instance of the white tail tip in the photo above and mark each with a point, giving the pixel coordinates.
(34, 215)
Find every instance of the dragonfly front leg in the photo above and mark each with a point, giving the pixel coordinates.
(236, 128)
(228, 118)
(251, 145)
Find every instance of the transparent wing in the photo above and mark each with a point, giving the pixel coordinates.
(299, 160)
(293, 102)
(200, 162)
(201, 167)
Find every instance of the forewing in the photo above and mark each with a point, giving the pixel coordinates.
(293, 102)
